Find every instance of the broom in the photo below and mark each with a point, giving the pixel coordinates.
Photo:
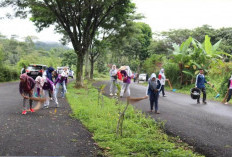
(38, 105)
(171, 85)
(215, 91)
(223, 101)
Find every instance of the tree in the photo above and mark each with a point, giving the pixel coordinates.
(69, 59)
(77, 20)
(97, 48)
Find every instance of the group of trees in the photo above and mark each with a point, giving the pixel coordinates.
(15, 54)
(105, 32)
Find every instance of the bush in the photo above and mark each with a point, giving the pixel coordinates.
(172, 72)
(8, 74)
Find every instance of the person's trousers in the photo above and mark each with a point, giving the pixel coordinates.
(204, 95)
(24, 101)
(162, 89)
(154, 101)
(113, 87)
(46, 95)
(64, 89)
(125, 89)
(229, 95)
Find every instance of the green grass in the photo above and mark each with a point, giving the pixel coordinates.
(142, 135)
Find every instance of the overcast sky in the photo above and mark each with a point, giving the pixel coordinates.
(161, 15)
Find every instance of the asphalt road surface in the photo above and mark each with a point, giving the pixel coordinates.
(43, 133)
(206, 127)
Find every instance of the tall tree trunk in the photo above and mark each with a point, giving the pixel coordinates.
(87, 65)
(79, 67)
(91, 71)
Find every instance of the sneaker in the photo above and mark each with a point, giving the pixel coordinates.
(198, 102)
(32, 110)
(157, 112)
(24, 112)
(164, 95)
(45, 106)
(226, 103)
(204, 102)
(111, 94)
(57, 105)
(51, 99)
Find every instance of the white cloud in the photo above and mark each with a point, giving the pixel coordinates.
(163, 15)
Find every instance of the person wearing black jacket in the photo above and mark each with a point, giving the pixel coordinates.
(153, 92)
(229, 90)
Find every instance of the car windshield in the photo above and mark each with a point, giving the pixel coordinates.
(34, 68)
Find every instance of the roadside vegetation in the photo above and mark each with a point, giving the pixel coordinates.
(141, 135)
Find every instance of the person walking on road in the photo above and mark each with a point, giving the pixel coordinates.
(113, 80)
(229, 90)
(162, 79)
(153, 92)
(26, 87)
(46, 85)
(126, 73)
(200, 83)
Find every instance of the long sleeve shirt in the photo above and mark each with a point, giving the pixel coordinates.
(200, 81)
(126, 78)
(22, 87)
(61, 79)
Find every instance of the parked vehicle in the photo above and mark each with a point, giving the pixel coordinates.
(35, 70)
(142, 77)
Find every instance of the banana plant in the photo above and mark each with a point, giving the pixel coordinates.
(181, 55)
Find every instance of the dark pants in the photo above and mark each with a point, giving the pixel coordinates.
(154, 100)
(204, 95)
(229, 95)
(162, 89)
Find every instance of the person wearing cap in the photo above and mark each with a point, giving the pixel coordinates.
(113, 80)
(46, 86)
(26, 87)
(126, 73)
(153, 92)
(200, 83)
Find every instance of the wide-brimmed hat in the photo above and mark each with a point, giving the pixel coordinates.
(122, 68)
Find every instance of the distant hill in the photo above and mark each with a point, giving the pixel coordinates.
(49, 45)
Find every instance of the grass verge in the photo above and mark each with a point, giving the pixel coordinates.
(142, 135)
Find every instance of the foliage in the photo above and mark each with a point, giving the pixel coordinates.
(142, 135)
(78, 22)
(69, 59)
(153, 63)
(8, 74)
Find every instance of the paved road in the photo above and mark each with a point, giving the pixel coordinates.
(42, 133)
(207, 127)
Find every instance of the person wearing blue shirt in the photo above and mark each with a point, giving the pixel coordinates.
(200, 83)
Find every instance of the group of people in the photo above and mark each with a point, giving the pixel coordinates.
(155, 86)
(45, 87)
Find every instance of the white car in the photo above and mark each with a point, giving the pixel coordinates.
(71, 73)
(142, 77)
